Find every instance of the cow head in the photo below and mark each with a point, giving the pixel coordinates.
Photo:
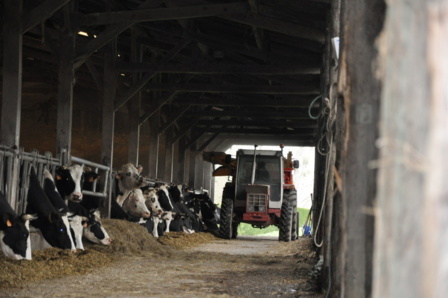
(15, 236)
(69, 181)
(164, 198)
(152, 202)
(57, 230)
(129, 177)
(134, 204)
(94, 231)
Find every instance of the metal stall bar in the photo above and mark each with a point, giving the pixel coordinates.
(105, 189)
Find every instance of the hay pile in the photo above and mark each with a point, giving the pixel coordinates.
(180, 240)
(49, 263)
(127, 239)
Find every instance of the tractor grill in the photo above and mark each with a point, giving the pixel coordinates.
(256, 202)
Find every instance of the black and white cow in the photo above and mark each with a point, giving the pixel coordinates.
(71, 220)
(14, 232)
(191, 219)
(69, 181)
(49, 221)
(201, 204)
(84, 222)
(133, 203)
(128, 178)
(157, 212)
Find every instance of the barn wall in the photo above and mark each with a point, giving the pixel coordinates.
(359, 93)
(411, 231)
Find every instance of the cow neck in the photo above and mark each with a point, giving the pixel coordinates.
(124, 196)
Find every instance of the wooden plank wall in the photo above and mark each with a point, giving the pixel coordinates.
(412, 215)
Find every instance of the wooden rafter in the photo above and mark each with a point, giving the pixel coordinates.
(163, 14)
(40, 13)
(307, 88)
(291, 69)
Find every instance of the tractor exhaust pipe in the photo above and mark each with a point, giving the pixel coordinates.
(254, 165)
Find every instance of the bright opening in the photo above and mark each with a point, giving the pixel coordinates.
(303, 181)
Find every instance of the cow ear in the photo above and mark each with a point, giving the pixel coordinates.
(93, 178)
(118, 176)
(52, 217)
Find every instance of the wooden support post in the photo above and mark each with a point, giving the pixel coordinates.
(176, 165)
(161, 157)
(154, 123)
(207, 174)
(181, 160)
(360, 91)
(134, 106)
(65, 94)
(411, 236)
(191, 166)
(134, 129)
(108, 117)
(168, 155)
(199, 166)
(12, 87)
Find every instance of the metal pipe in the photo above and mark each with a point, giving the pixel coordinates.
(254, 165)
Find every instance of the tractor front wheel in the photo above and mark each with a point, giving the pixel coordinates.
(287, 214)
(226, 229)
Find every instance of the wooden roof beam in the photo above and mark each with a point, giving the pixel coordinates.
(298, 133)
(258, 33)
(40, 13)
(163, 14)
(149, 75)
(290, 114)
(290, 69)
(308, 88)
(278, 26)
(241, 101)
(107, 35)
(260, 123)
(172, 119)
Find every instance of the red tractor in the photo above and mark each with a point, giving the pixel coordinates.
(261, 193)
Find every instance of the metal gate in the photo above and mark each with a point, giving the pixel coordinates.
(15, 166)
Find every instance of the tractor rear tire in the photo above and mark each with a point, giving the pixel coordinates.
(286, 215)
(295, 226)
(226, 229)
(234, 230)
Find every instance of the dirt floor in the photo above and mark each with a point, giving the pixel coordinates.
(242, 267)
(206, 267)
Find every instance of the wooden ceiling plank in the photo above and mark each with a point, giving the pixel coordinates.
(40, 13)
(156, 108)
(260, 122)
(107, 35)
(173, 118)
(258, 33)
(290, 69)
(218, 43)
(149, 75)
(299, 132)
(309, 88)
(163, 14)
(287, 115)
(246, 101)
(278, 26)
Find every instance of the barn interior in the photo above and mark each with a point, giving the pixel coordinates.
(159, 82)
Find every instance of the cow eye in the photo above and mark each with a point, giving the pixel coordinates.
(61, 230)
(24, 235)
